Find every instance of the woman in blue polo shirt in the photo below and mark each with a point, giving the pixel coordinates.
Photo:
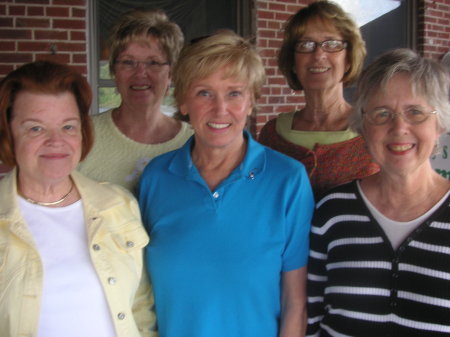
(229, 218)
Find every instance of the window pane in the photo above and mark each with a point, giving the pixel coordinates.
(108, 98)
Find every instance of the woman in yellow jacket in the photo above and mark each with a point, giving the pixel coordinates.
(70, 248)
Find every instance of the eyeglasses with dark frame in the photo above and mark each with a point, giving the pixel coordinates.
(329, 46)
(129, 64)
(381, 116)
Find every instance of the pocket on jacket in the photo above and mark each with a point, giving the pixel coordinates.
(132, 237)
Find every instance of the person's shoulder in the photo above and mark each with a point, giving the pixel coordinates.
(102, 123)
(346, 191)
(267, 128)
(164, 157)
(104, 188)
(101, 117)
(186, 128)
(280, 160)
(271, 122)
(160, 162)
(184, 134)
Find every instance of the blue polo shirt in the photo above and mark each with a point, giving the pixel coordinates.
(215, 257)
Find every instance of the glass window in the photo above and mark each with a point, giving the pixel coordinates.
(384, 24)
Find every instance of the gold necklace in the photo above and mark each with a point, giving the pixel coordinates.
(52, 203)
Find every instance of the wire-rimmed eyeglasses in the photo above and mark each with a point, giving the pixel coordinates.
(382, 116)
(129, 64)
(329, 46)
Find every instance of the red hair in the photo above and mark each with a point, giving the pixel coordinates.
(47, 78)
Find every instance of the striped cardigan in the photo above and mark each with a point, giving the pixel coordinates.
(359, 286)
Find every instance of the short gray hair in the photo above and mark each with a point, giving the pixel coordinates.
(429, 78)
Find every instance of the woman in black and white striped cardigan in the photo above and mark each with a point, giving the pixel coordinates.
(380, 247)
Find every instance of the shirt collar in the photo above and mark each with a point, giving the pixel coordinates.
(253, 164)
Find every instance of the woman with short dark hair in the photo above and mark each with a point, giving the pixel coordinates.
(322, 52)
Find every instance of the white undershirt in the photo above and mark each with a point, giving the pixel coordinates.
(398, 231)
(73, 302)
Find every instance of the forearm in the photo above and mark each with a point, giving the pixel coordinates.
(293, 304)
(293, 321)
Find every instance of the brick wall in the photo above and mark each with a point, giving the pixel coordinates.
(33, 30)
(433, 28)
(277, 97)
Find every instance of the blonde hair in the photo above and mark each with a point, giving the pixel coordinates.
(206, 55)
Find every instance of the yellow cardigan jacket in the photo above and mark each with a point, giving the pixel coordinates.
(116, 240)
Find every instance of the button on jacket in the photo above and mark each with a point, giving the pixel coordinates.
(116, 241)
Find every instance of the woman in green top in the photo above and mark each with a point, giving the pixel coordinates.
(144, 47)
(322, 52)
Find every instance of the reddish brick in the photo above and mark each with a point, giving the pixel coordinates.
(69, 24)
(33, 46)
(274, 24)
(293, 99)
(79, 58)
(77, 36)
(276, 99)
(61, 58)
(262, 119)
(15, 34)
(434, 13)
(265, 91)
(275, 91)
(17, 10)
(270, 72)
(261, 24)
(58, 11)
(78, 13)
(272, 62)
(266, 109)
(15, 58)
(263, 14)
(282, 17)
(6, 22)
(278, 81)
(294, 8)
(26, 22)
(35, 11)
(81, 3)
(265, 33)
(81, 69)
(71, 46)
(33, 2)
(50, 34)
(7, 46)
(5, 69)
(279, 7)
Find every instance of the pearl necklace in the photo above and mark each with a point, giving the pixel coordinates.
(52, 203)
